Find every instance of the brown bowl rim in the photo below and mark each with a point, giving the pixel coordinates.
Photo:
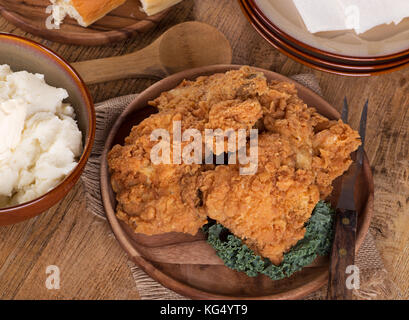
(53, 195)
(313, 62)
(165, 279)
(257, 12)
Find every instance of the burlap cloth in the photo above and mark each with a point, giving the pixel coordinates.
(374, 280)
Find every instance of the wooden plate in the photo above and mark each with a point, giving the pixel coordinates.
(187, 264)
(322, 63)
(122, 23)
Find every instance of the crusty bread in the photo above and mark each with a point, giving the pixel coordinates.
(86, 12)
(152, 7)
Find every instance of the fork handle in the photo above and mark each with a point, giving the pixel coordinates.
(342, 255)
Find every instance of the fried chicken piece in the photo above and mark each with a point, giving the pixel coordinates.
(200, 95)
(158, 198)
(267, 210)
(220, 101)
(155, 198)
(332, 148)
(234, 114)
(299, 155)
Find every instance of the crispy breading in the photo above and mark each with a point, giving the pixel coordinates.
(268, 210)
(154, 198)
(300, 153)
(199, 96)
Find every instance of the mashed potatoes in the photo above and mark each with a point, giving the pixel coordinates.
(39, 138)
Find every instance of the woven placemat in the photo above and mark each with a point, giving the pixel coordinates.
(374, 280)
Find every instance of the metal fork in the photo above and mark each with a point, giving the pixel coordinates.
(343, 248)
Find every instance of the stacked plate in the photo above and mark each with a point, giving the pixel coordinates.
(380, 50)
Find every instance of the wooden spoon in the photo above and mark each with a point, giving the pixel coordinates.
(184, 46)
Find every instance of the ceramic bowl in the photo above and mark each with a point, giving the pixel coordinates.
(318, 59)
(22, 54)
(283, 18)
(187, 264)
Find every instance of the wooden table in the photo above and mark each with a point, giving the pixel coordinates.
(92, 264)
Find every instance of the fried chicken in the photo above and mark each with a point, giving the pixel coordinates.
(269, 209)
(155, 198)
(300, 153)
(220, 101)
(199, 96)
(158, 198)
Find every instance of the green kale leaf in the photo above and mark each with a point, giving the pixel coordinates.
(237, 256)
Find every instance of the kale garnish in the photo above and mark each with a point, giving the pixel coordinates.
(237, 256)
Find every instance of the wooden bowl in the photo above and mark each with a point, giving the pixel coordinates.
(187, 264)
(23, 54)
(124, 22)
(259, 14)
(319, 62)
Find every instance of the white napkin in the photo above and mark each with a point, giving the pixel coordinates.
(358, 15)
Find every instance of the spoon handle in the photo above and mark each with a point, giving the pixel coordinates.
(141, 63)
(342, 255)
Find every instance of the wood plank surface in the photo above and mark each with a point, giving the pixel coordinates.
(92, 264)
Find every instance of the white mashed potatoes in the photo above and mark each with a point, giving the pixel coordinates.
(40, 142)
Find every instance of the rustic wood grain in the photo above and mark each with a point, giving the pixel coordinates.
(92, 263)
(124, 22)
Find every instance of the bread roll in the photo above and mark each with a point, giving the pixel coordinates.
(86, 12)
(152, 7)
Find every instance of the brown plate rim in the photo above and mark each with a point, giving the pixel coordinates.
(333, 64)
(147, 266)
(310, 61)
(259, 14)
(87, 39)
